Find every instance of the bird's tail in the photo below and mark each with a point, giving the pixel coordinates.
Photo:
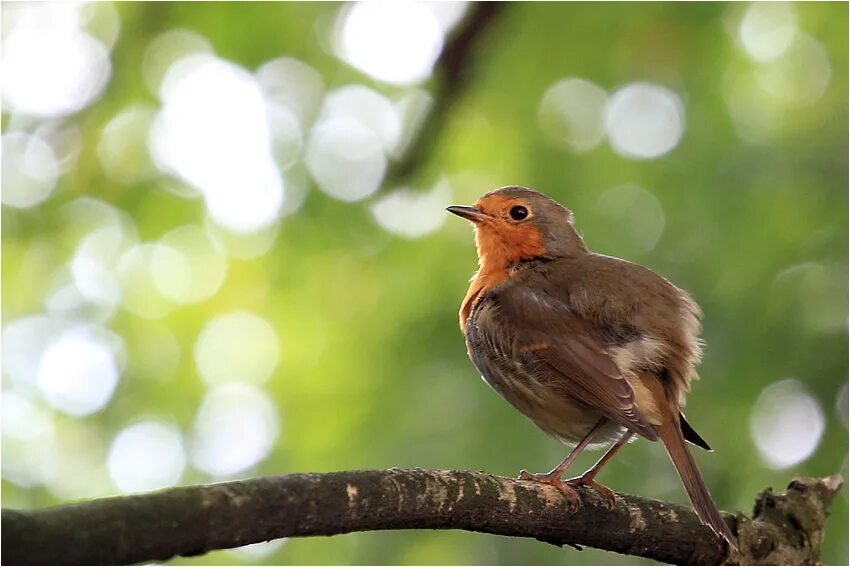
(671, 434)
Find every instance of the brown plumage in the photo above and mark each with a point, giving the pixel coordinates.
(593, 349)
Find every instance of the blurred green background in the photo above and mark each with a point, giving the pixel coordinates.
(214, 268)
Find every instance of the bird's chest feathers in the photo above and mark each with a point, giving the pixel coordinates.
(505, 370)
(498, 255)
(492, 355)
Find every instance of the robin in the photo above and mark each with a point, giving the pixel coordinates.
(592, 349)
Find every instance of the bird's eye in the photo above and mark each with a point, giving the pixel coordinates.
(518, 212)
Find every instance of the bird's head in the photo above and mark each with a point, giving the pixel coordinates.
(513, 224)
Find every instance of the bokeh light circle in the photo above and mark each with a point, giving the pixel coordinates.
(23, 344)
(786, 424)
(293, 84)
(801, 75)
(52, 71)
(395, 42)
(186, 267)
(30, 170)
(644, 121)
(767, 29)
(92, 266)
(237, 347)
(410, 213)
(220, 143)
(346, 159)
(146, 456)
(235, 429)
(572, 113)
(165, 49)
(78, 371)
(29, 434)
(23, 418)
(368, 107)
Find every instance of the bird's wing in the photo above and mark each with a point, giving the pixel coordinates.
(561, 349)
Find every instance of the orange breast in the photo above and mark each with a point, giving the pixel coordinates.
(501, 245)
(482, 281)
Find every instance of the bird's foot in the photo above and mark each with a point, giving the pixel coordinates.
(587, 480)
(552, 479)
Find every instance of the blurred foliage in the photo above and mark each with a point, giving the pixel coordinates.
(372, 369)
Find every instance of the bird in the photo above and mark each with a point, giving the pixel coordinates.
(593, 349)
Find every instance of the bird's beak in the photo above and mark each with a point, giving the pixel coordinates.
(469, 213)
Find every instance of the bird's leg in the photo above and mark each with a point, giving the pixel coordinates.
(587, 479)
(553, 477)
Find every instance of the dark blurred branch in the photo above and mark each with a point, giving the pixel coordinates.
(453, 71)
(786, 528)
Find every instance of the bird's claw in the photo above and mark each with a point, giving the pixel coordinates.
(590, 483)
(552, 480)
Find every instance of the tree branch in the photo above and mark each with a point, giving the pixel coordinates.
(787, 528)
